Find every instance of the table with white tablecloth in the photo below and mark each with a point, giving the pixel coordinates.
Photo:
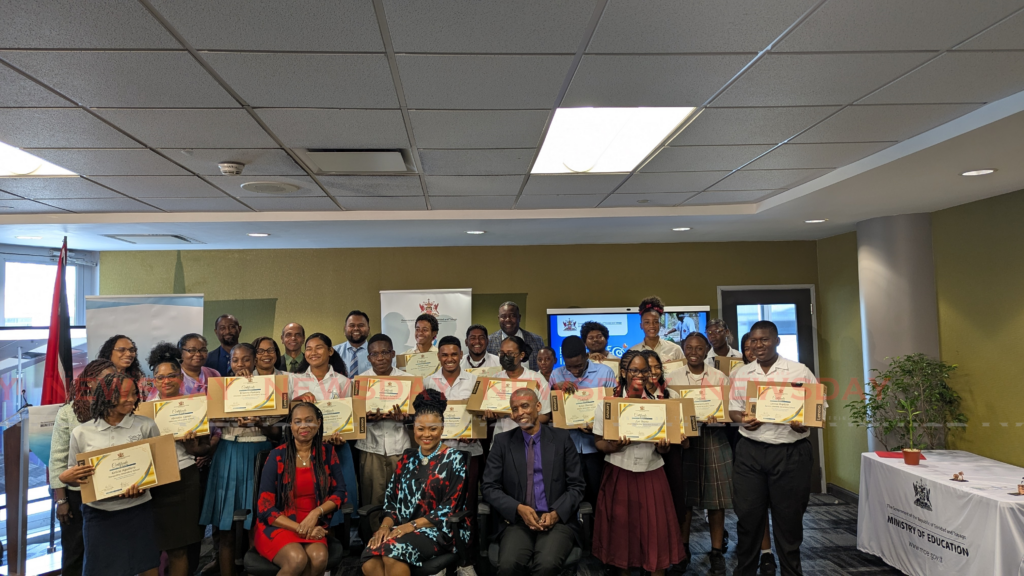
(922, 522)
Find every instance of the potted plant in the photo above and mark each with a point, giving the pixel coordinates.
(911, 455)
(910, 404)
(1020, 487)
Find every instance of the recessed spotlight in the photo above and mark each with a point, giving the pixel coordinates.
(981, 172)
(259, 234)
(680, 229)
(816, 221)
(29, 237)
(476, 232)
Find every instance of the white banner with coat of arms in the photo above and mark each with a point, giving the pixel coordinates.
(453, 309)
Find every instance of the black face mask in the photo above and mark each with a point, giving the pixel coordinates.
(507, 362)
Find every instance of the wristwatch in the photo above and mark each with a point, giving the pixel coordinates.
(61, 501)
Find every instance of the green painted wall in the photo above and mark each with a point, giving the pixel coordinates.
(840, 356)
(979, 273)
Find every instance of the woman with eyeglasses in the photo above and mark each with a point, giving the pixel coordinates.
(194, 371)
(635, 523)
(515, 351)
(651, 309)
(121, 350)
(267, 355)
(426, 488)
(176, 505)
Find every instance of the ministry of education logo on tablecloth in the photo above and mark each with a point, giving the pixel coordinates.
(922, 495)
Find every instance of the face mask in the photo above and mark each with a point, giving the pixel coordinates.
(507, 362)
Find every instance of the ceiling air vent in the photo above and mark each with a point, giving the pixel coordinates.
(153, 239)
(322, 161)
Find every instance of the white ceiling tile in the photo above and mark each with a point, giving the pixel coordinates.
(767, 179)
(478, 128)
(306, 25)
(8, 207)
(474, 185)
(958, 77)
(272, 204)
(645, 200)
(74, 24)
(233, 185)
(190, 128)
(1007, 35)
(384, 203)
(308, 80)
(657, 80)
(452, 26)
(729, 197)
(221, 204)
(310, 128)
(258, 161)
(344, 186)
(723, 126)
(125, 79)
(554, 202)
(471, 202)
(476, 162)
(887, 25)
(671, 182)
(883, 123)
(98, 162)
(816, 79)
(58, 128)
(635, 26)
(16, 90)
(703, 158)
(101, 205)
(482, 82)
(179, 187)
(794, 156)
(37, 188)
(564, 184)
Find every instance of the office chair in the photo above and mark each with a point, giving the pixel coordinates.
(449, 561)
(585, 517)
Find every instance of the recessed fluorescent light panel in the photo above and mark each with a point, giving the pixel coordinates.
(604, 140)
(15, 162)
(982, 172)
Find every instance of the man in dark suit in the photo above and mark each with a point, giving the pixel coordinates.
(533, 481)
(508, 320)
(227, 329)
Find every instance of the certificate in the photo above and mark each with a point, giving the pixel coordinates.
(338, 416)
(612, 363)
(672, 366)
(494, 394)
(422, 364)
(484, 371)
(707, 401)
(243, 394)
(642, 422)
(384, 393)
(577, 409)
(780, 404)
(460, 423)
(117, 470)
(180, 415)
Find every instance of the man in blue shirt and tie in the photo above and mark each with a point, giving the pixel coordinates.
(353, 351)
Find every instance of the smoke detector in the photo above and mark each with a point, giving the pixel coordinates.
(270, 187)
(231, 168)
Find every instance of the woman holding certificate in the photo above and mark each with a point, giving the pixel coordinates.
(118, 531)
(651, 310)
(426, 489)
(176, 505)
(515, 351)
(634, 499)
(267, 354)
(300, 489)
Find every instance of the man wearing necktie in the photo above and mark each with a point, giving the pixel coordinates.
(533, 481)
(353, 350)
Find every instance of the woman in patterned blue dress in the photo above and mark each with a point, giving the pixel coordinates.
(426, 488)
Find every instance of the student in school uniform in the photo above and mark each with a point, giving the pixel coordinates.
(720, 339)
(457, 384)
(546, 360)
(424, 331)
(515, 351)
(580, 373)
(595, 336)
(476, 344)
(651, 310)
(773, 461)
(118, 532)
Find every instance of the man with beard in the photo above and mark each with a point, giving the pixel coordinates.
(227, 329)
(508, 319)
(353, 350)
(293, 337)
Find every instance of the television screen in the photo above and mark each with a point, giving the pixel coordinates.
(624, 325)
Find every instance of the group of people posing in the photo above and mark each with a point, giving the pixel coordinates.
(533, 476)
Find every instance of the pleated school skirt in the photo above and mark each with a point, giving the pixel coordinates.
(119, 542)
(231, 483)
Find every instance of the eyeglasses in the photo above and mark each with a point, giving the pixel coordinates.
(196, 350)
(264, 351)
(716, 330)
(132, 351)
(635, 372)
(166, 378)
(381, 355)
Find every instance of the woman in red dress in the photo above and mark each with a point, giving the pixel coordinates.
(301, 486)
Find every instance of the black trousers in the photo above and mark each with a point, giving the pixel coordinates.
(72, 547)
(592, 467)
(776, 475)
(524, 551)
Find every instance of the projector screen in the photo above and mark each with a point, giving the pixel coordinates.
(623, 325)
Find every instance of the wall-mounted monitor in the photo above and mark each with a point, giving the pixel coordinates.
(624, 325)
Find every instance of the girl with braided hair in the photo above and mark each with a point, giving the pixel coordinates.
(651, 309)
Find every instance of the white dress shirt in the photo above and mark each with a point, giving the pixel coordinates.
(333, 385)
(97, 435)
(684, 377)
(489, 361)
(666, 350)
(415, 350)
(461, 389)
(385, 437)
(733, 353)
(782, 371)
(505, 423)
(638, 456)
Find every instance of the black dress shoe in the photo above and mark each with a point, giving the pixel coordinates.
(717, 563)
(767, 567)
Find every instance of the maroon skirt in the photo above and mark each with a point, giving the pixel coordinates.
(635, 523)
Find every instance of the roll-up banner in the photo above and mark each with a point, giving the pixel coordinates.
(399, 309)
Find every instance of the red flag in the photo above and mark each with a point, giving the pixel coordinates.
(58, 370)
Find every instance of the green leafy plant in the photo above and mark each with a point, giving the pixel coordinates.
(910, 404)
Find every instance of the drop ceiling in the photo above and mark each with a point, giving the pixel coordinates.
(802, 107)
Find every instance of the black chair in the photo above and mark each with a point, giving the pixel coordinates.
(449, 561)
(585, 516)
(251, 562)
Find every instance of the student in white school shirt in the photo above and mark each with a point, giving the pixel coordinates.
(386, 436)
(476, 343)
(651, 310)
(773, 461)
(720, 338)
(457, 384)
(424, 331)
(515, 351)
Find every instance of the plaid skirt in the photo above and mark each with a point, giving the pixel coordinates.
(707, 466)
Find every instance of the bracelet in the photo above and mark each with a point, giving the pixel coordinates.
(61, 501)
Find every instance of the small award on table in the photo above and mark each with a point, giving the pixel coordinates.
(576, 410)
(178, 415)
(460, 423)
(422, 364)
(118, 470)
(385, 392)
(494, 394)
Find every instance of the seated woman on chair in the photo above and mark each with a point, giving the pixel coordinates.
(426, 488)
(301, 486)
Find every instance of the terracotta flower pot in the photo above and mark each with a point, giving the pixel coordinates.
(911, 457)
(1020, 489)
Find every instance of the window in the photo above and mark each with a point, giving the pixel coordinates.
(783, 315)
(28, 293)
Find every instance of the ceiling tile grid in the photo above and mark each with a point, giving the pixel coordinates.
(482, 81)
(694, 158)
(372, 186)
(18, 91)
(323, 128)
(233, 186)
(111, 162)
(832, 155)
(453, 186)
(145, 187)
(475, 162)
(478, 128)
(64, 187)
(571, 184)
(257, 161)
(645, 200)
(190, 128)
(58, 128)
(735, 126)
